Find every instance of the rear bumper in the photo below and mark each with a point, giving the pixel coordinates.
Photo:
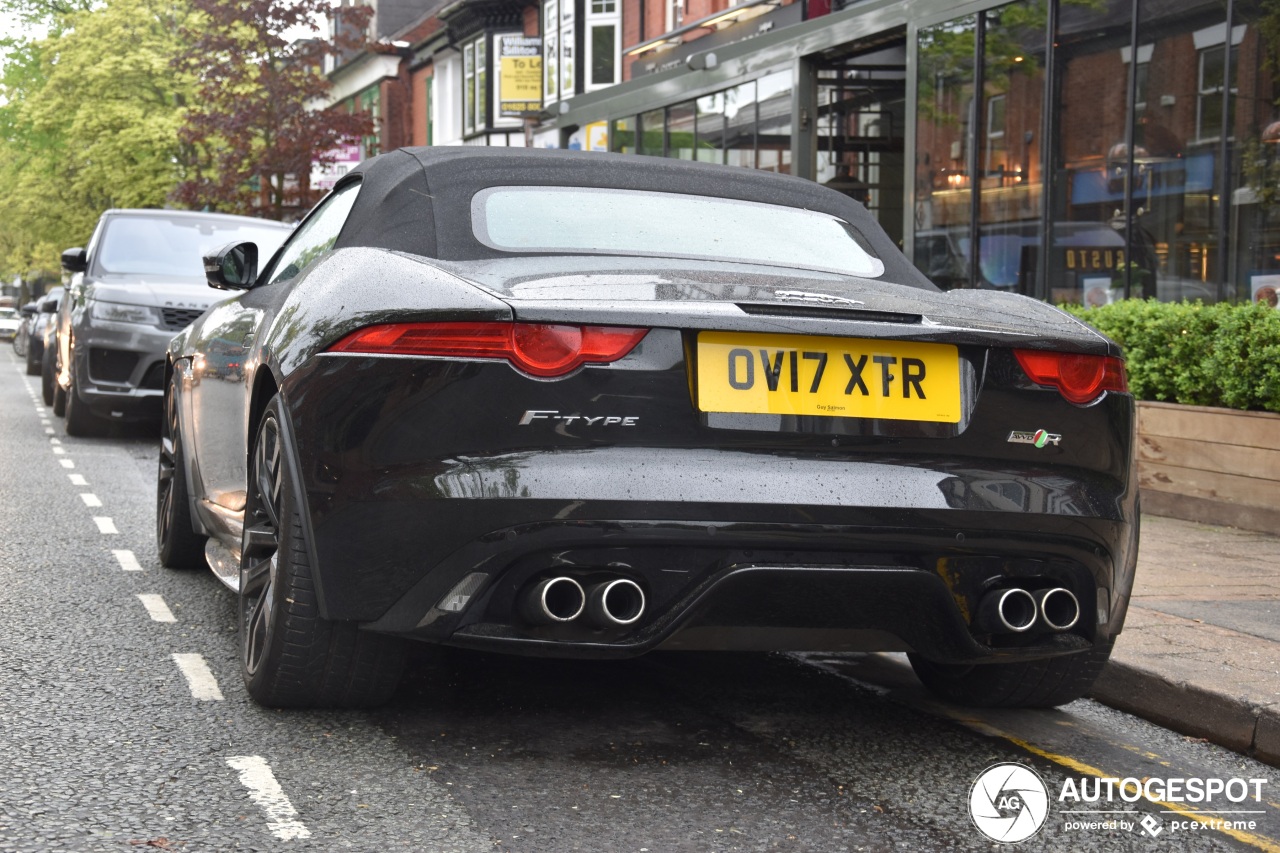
(428, 522)
(864, 556)
(769, 587)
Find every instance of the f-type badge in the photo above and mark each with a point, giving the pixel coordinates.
(1039, 438)
(532, 415)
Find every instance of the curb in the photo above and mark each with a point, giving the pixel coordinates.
(1192, 710)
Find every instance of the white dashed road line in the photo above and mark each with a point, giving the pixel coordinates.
(199, 677)
(127, 561)
(90, 499)
(156, 608)
(78, 480)
(105, 525)
(67, 463)
(265, 791)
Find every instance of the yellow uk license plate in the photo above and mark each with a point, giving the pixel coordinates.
(836, 377)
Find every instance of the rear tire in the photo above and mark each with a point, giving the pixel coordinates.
(33, 363)
(1025, 684)
(46, 376)
(59, 400)
(290, 656)
(179, 545)
(80, 421)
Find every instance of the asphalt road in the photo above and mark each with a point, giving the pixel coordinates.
(125, 725)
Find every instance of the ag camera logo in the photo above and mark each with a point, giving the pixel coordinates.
(1009, 802)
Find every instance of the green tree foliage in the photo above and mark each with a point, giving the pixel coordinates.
(89, 120)
(251, 134)
(1200, 355)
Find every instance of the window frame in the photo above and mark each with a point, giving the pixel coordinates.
(1222, 91)
(609, 18)
(267, 277)
(550, 22)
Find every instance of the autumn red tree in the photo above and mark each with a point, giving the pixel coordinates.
(254, 129)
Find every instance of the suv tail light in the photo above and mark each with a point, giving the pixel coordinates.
(539, 349)
(1079, 378)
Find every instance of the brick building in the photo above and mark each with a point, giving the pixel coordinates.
(1066, 149)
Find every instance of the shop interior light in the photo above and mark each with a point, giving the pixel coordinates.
(676, 36)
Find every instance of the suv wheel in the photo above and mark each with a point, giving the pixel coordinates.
(47, 382)
(80, 421)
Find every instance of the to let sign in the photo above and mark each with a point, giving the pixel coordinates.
(520, 75)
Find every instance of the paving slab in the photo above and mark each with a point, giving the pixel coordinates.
(1200, 652)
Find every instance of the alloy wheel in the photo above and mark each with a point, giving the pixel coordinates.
(168, 464)
(259, 561)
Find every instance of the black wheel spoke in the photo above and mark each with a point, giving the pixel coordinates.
(259, 549)
(256, 575)
(267, 473)
(258, 625)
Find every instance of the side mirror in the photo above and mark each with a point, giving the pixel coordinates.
(233, 267)
(49, 306)
(75, 260)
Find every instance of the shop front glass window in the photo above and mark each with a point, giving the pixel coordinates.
(622, 136)
(710, 127)
(680, 131)
(1176, 219)
(1254, 196)
(944, 114)
(740, 126)
(651, 133)
(773, 123)
(1009, 183)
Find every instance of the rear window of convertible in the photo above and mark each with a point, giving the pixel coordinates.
(588, 220)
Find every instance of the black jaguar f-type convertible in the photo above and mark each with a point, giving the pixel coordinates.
(586, 405)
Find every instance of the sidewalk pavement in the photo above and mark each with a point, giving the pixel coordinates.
(1200, 650)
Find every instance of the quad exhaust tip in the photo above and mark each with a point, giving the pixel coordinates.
(1008, 611)
(615, 603)
(553, 601)
(1059, 608)
(1015, 610)
(558, 600)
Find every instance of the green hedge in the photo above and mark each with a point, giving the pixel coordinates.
(1201, 355)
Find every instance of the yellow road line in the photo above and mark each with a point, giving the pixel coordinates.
(1260, 842)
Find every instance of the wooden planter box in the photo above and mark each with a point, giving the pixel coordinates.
(1219, 466)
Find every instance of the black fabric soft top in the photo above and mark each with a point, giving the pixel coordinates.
(418, 200)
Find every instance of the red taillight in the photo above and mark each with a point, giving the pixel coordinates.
(1079, 378)
(540, 349)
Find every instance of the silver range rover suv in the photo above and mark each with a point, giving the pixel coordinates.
(140, 281)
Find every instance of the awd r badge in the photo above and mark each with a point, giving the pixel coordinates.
(1039, 438)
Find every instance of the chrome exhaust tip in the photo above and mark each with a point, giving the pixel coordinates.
(1059, 608)
(1007, 611)
(615, 603)
(553, 601)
